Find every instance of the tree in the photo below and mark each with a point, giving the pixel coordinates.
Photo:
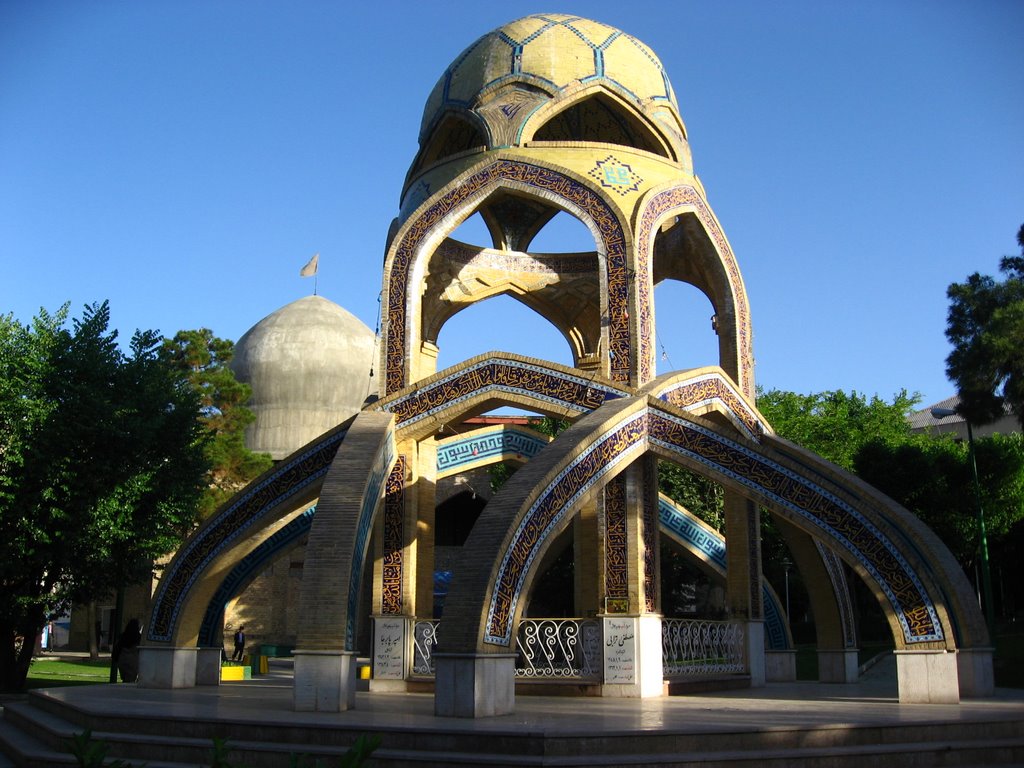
(205, 360)
(929, 476)
(101, 460)
(836, 424)
(985, 325)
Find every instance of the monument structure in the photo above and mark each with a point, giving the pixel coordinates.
(555, 113)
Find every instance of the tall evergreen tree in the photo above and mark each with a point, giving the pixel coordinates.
(985, 325)
(205, 360)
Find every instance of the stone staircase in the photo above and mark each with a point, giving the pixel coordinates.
(34, 732)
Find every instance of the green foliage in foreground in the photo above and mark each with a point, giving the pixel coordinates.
(101, 461)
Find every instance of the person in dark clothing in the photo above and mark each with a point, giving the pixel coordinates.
(239, 644)
(125, 653)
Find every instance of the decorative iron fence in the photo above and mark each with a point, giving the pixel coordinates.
(693, 648)
(552, 649)
(570, 649)
(424, 638)
(558, 649)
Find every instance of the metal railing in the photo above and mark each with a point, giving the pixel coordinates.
(551, 649)
(558, 649)
(693, 648)
(424, 638)
(570, 649)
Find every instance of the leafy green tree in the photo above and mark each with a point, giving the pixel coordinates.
(205, 359)
(698, 495)
(932, 478)
(101, 460)
(985, 325)
(836, 424)
(929, 476)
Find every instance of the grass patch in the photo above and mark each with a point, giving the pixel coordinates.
(53, 673)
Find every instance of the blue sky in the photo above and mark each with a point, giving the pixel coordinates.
(184, 159)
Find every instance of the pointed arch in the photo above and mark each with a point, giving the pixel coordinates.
(599, 111)
(600, 118)
(244, 523)
(719, 276)
(455, 133)
(926, 597)
(419, 236)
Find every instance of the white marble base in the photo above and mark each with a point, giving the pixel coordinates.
(325, 681)
(927, 677)
(755, 653)
(974, 666)
(840, 666)
(390, 642)
(208, 666)
(780, 666)
(162, 666)
(474, 685)
(632, 657)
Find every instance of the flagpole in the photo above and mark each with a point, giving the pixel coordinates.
(312, 269)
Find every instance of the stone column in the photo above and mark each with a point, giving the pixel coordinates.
(743, 577)
(394, 578)
(632, 628)
(587, 590)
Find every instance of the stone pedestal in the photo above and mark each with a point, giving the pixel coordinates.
(780, 666)
(927, 677)
(974, 667)
(208, 666)
(325, 681)
(162, 666)
(474, 685)
(390, 650)
(755, 653)
(632, 657)
(841, 666)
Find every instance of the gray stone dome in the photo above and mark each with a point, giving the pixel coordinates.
(309, 366)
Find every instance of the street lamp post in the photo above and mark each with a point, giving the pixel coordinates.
(786, 564)
(986, 575)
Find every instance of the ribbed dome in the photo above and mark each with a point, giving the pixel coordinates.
(308, 365)
(551, 52)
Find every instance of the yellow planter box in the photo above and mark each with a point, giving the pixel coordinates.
(235, 673)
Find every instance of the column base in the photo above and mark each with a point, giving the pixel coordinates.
(633, 664)
(840, 666)
(325, 681)
(208, 666)
(755, 653)
(927, 677)
(474, 684)
(162, 666)
(780, 666)
(974, 666)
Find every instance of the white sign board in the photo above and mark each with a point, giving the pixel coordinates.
(389, 648)
(620, 650)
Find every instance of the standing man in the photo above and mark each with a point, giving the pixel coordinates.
(239, 644)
